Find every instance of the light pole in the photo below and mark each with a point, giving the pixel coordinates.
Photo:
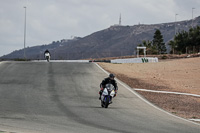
(175, 24)
(192, 16)
(25, 34)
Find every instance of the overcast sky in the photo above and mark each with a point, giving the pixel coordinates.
(52, 20)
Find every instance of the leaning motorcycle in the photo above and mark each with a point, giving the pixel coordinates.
(107, 95)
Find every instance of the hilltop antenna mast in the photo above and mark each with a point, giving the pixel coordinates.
(120, 19)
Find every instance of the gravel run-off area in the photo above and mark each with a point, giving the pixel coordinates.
(177, 75)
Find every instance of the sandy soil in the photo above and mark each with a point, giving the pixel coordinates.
(178, 75)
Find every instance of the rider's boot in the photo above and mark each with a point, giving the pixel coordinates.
(100, 92)
(99, 97)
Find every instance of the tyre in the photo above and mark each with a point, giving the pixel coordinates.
(107, 102)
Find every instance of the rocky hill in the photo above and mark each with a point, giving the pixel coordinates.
(116, 40)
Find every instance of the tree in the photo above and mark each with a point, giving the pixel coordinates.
(150, 49)
(181, 41)
(194, 36)
(173, 46)
(158, 43)
(184, 40)
(147, 43)
(140, 50)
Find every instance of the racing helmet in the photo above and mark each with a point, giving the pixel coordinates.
(111, 75)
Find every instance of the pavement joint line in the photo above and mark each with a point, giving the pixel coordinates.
(139, 96)
(168, 92)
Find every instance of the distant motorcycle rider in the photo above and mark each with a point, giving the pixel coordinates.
(47, 54)
(108, 80)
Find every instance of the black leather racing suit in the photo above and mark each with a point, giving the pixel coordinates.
(107, 81)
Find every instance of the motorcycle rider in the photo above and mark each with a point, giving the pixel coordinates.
(47, 53)
(108, 80)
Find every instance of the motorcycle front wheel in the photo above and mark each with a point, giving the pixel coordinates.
(107, 102)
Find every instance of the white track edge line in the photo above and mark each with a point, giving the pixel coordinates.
(129, 88)
(195, 120)
(1, 62)
(168, 92)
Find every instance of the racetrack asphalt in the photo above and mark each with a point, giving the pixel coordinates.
(41, 97)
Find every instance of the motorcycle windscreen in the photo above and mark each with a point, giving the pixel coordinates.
(110, 87)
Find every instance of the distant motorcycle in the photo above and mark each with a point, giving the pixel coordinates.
(47, 56)
(107, 95)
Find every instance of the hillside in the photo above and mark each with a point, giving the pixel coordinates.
(116, 40)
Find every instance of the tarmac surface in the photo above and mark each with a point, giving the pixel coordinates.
(62, 97)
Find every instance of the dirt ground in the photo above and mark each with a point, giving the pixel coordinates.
(177, 75)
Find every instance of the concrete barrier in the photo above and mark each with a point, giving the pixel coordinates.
(136, 60)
